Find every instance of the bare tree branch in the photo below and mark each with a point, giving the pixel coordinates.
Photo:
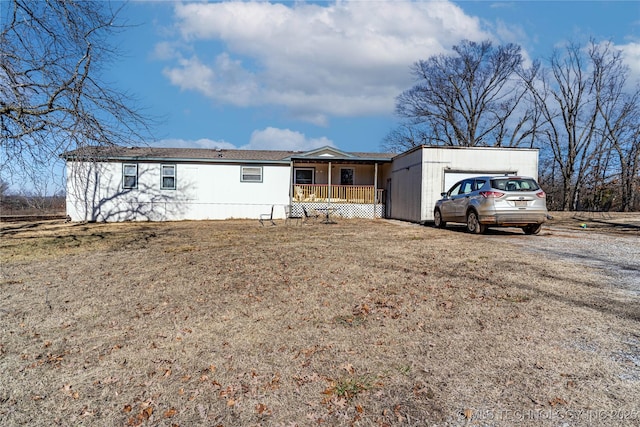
(52, 96)
(469, 98)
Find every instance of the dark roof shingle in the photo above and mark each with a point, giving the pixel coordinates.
(198, 154)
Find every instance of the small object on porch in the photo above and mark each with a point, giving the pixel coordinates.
(288, 215)
(267, 217)
(310, 215)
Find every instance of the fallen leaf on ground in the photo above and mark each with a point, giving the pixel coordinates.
(262, 409)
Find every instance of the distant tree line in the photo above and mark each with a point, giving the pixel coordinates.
(29, 203)
(578, 108)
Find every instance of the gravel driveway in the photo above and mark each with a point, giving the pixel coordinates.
(616, 253)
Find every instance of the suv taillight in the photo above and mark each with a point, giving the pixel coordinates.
(540, 194)
(491, 194)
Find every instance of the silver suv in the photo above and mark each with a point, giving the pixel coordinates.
(493, 201)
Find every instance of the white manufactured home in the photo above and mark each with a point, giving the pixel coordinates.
(420, 175)
(165, 184)
(162, 184)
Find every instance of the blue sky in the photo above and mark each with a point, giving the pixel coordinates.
(299, 75)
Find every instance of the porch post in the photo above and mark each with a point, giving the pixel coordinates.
(329, 188)
(291, 175)
(375, 190)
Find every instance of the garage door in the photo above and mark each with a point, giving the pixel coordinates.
(451, 178)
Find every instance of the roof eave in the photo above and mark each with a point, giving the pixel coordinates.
(341, 159)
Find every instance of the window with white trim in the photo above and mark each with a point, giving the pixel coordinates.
(129, 175)
(303, 175)
(251, 173)
(168, 177)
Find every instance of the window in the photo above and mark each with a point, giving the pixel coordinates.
(304, 175)
(466, 187)
(346, 176)
(168, 177)
(478, 184)
(251, 174)
(515, 184)
(129, 175)
(455, 190)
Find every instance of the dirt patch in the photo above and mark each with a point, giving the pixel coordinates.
(360, 323)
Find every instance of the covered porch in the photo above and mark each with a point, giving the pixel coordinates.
(347, 184)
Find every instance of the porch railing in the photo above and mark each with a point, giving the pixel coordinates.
(365, 194)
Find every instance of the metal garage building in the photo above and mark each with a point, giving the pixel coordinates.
(420, 175)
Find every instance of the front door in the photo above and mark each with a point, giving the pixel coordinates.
(346, 176)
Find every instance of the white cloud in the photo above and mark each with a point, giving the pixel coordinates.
(269, 138)
(165, 51)
(631, 57)
(348, 58)
(198, 143)
(192, 74)
(226, 81)
(284, 139)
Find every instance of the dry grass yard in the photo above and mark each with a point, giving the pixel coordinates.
(363, 323)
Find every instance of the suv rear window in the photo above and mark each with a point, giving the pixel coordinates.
(514, 184)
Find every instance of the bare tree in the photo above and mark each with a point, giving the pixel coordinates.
(404, 137)
(584, 113)
(469, 98)
(560, 94)
(52, 94)
(619, 111)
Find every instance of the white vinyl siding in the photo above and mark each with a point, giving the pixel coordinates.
(205, 191)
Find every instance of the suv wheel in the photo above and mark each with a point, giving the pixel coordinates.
(532, 228)
(437, 219)
(473, 225)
